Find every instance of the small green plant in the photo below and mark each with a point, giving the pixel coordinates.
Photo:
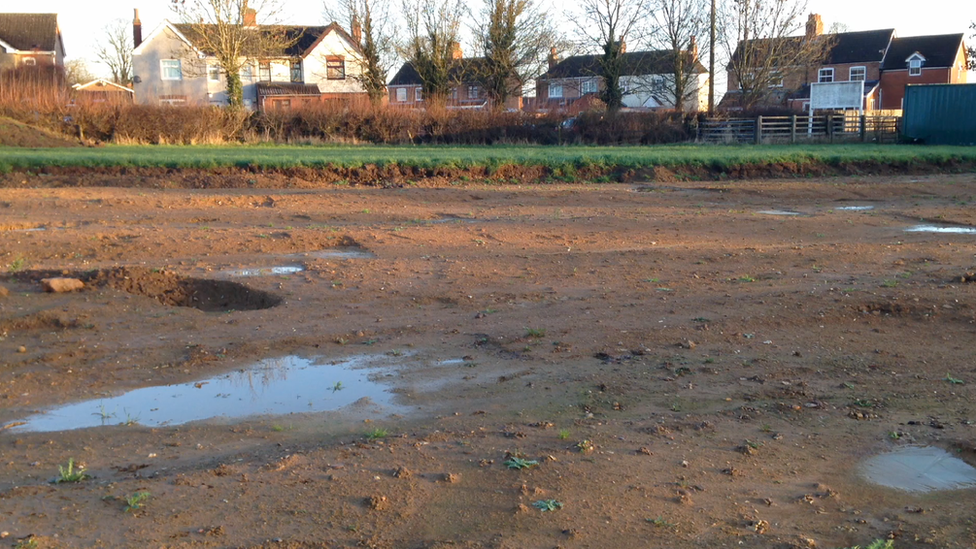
(135, 501)
(547, 505)
(953, 380)
(376, 434)
(535, 332)
(563, 434)
(585, 446)
(894, 435)
(700, 319)
(29, 543)
(746, 278)
(17, 264)
(130, 419)
(277, 428)
(337, 387)
(876, 544)
(889, 283)
(71, 473)
(516, 462)
(661, 522)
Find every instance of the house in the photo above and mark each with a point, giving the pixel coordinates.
(646, 80)
(884, 62)
(406, 87)
(102, 91)
(30, 39)
(321, 63)
(936, 59)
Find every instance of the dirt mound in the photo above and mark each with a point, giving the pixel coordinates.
(18, 134)
(176, 291)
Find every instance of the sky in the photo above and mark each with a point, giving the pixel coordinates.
(82, 22)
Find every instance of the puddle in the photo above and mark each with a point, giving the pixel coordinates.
(919, 469)
(262, 271)
(778, 212)
(273, 387)
(854, 208)
(340, 253)
(944, 230)
(449, 219)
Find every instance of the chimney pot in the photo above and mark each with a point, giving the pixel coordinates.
(456, 52)
(553, 57)
(356, 30)
(250, 17)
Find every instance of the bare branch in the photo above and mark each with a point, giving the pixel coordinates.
(115, 50)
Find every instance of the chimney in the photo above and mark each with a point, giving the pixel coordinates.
(814, 25)
(356, 30)
(456, 52)
(250, 18)
(553, 58)
(693, 49)
(136, 30)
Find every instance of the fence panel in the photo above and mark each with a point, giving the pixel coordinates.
(830, 128)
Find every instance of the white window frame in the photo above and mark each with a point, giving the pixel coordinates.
(588, 86)
(213, 73)
(166, 66)
(473, 92)
(915, 67)
(864, 74)
(295, 71)
(418, 95)
(555, 91)
(247, 72)
(775, 79)
(401, 95)
(825, 75)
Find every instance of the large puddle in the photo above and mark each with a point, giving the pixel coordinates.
(919, 469)
(276, 386)
(937, 229)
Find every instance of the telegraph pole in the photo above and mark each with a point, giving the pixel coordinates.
(711, 63)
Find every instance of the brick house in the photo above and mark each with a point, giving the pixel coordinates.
(406, 87)
(575, 82)
(322, 63)
(30, 39)
(935, 59)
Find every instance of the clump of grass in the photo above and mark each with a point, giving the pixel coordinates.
(376, 434)
(563, 434)
(535, 332)
(547, 505)
(135, 501)
(17, 264)
(71, 473)
(516, 462)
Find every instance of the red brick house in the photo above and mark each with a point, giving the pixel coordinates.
(406, 88)
(936, 59)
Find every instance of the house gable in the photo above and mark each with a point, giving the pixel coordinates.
(935, 51)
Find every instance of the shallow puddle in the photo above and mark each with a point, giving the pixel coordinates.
(937, 229)
(854, 208)
(263, 271)
(778, 212)
(340, 253)
(273, 387)
(919, 469)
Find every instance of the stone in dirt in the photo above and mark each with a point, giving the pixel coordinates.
(4, 292)
(61, 285)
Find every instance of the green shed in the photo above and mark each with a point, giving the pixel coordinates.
(940, 114)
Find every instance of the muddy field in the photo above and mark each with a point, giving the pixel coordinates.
(659, 365)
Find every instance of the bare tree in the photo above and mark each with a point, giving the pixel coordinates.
(608, 25)
(972, 49)
(677, 26)
(433, 44)
(515, 37)
(115, 51)
(76, 72)
(371, 25)
(227, 30)
(768, 54)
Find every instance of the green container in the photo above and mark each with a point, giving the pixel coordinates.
(940, 114)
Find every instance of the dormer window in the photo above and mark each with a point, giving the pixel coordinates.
(915, 64)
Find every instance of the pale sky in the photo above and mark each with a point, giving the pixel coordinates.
(82, 22)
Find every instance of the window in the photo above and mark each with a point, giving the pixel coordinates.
(472, 92)
(401, 95)
(858, 74)
(264, 71)
(914, 67)
(170, 69)
(418, 95)
(213, 73)
(296, 71)
(247, 72)
(283, 104)
(775, 79)
(826, 75)
(335, 68)
(555, 90)
(588, 86)
(30, 61)
(172, 100)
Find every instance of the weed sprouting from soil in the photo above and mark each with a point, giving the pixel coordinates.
(953, 380)
(376, 434)
(135, 501)
(71, 473)
(535, 332)
(563, 434)
(17, 264)
(547, 505)
(516, 462)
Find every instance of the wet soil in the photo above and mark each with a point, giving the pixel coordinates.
(684, 370)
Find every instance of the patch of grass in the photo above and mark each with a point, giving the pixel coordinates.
(516, 462)
(547, 505)
(535, 332)
(746, 278)
(337, 387)
(71, 473)
(376, 434)
(17, 264)
(135, 501)
(887, 283)
(660, 522)
(563, 434)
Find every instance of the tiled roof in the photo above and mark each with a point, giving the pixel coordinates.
(939, 50)
(468, 69)
(28, 31)
(844, 47)
(302, 39)
(287, 88)
(636, 63)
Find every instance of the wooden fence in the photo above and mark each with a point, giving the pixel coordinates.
(828, 128)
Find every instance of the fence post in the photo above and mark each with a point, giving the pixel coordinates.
(829, 119)
(864, 129)
(758, 130)
(793, 130)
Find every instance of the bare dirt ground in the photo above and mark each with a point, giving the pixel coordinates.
(686, 370)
